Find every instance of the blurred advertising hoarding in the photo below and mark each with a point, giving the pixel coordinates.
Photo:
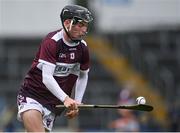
(125, 15)
(30, 18)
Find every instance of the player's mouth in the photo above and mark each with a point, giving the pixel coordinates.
(77, 35)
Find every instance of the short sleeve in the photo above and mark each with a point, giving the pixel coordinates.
(48, 51)
(85, 64)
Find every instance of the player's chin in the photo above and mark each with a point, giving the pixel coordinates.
(77, 38)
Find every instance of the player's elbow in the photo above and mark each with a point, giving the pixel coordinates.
(46, 79)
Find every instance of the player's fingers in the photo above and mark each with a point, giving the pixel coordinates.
(76, 106)
(72, 113)
(72, 106)
(69, 115)
(70, 103)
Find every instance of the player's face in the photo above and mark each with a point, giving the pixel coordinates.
(79, 30)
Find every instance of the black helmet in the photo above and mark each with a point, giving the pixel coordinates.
(75, 13)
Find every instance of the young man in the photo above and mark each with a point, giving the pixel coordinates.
(61, 63)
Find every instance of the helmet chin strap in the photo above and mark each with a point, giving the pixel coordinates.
(71, 25)
(68, 30)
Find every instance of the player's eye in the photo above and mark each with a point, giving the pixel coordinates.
(82, 24)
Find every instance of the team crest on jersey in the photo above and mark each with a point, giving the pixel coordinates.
(72, 56)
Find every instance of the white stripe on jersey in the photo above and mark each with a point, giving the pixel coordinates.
(84, 42)
(58, 36)
(41, 62)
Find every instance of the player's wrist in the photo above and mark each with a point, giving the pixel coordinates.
(65, 98)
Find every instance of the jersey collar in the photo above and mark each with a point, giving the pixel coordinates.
(68, 43)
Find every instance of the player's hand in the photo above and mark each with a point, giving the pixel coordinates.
(72, 113)
(72, 107)
(70, 104)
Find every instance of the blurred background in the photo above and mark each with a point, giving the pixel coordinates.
(135, 51)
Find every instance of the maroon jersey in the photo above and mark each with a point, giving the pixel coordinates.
(68, 61)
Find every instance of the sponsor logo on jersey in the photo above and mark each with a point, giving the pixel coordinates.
(64, 69)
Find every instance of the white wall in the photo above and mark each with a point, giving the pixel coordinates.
(30, 17)
(120, 15)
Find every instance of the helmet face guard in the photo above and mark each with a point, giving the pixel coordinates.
(76, 14)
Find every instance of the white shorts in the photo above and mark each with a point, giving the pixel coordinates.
(48, 116)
